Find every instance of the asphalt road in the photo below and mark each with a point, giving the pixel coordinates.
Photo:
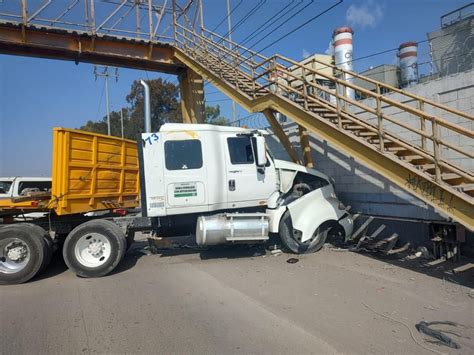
(235, 301)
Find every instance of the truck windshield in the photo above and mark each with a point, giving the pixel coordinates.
(5, 186)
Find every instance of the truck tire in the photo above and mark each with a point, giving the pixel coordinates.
(290, 240)
(21, 254)
(130, 238)
(47, 243)
(94, 248)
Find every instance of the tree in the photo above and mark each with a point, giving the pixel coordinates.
(212, 115)
(164, 106)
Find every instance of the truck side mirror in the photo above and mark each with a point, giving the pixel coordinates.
(261, 151)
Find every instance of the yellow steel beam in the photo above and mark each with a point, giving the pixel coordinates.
(65, 45)
(191, 87)
(448, 201)
(305, 147)
(280, 133)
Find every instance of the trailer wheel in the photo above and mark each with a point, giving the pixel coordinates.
(47, 243)
(21, 254)
(94, 248)
(290, 238)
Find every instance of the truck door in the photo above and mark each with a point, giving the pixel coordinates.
(185, 175)
(247, 184)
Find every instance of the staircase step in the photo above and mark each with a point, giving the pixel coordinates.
(416, 159)
(396, 149)
(367, 134)
(343, 121)
(404, 153)
(353, 127)
(326, 114)
(465, 187)
(386, 143)
(450, 176)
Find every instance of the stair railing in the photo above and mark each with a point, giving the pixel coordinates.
(424, 134)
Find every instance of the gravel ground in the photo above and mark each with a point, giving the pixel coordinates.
(238, 300)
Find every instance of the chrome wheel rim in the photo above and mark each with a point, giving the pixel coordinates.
(92, 250)
(14, 255)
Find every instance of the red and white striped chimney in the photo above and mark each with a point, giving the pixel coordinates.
(342, 44)
(408, 57)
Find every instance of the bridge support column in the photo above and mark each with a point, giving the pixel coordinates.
(191, 86)
(280, 133)
(305, 147)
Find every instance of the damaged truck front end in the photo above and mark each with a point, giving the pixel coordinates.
(306, 210)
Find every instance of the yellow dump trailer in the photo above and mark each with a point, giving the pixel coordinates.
(90, 172)
(93, 172)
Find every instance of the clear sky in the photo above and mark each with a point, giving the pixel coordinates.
(38, 94)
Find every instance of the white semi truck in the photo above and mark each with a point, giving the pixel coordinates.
(219, 183)
(226, 182)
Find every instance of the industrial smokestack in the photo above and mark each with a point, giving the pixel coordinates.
(342, 44)
(147, 107)
(408, 57)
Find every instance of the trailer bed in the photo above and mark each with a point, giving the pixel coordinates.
(90, 172)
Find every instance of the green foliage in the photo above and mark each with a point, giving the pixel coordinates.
(213, 116)
(164, 105)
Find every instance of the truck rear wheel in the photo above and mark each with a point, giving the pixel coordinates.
(22, 253)
(94, 248)
(47, 243)
(291, 241)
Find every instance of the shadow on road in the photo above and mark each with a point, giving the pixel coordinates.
(56, 267)
(440, 269)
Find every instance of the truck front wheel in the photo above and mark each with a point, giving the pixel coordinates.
(291, 238)
(94, 248)
(21, 253)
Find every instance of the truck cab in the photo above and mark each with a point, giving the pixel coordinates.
(226, 178)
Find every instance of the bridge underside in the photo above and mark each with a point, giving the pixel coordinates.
(105, 50)
(82, 47)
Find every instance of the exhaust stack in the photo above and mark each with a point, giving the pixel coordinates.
(342, 44)
(147, 107)
(408, 57)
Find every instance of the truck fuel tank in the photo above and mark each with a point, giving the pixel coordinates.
(245, 228)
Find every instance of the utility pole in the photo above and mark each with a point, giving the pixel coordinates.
(106, 74)
(229, 26)
(121, 120)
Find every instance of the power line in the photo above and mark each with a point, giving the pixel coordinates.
(225, 18)
(220, 100)
(249, 14)
(301, 26)
(293, 30)
(213, 92)
(271, 21)
(284, 20)
(100, 102)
